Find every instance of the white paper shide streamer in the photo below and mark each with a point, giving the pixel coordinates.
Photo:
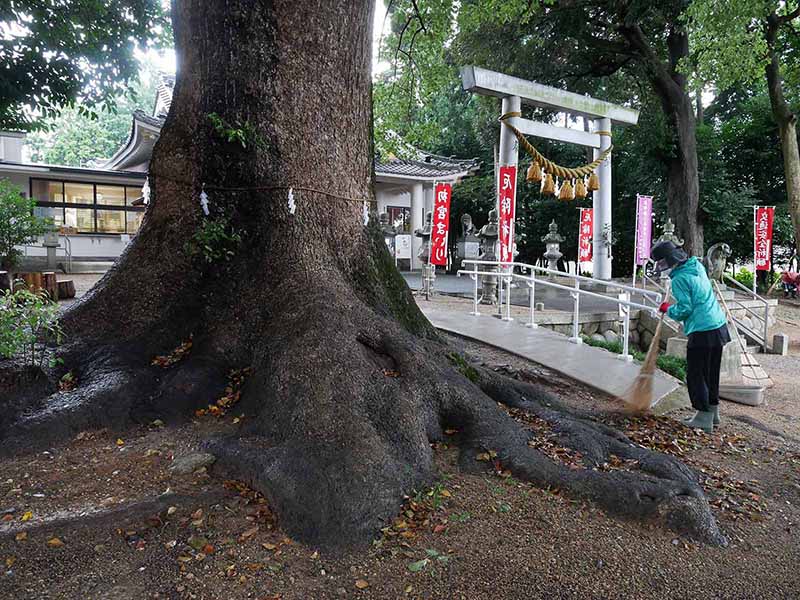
(204, 200)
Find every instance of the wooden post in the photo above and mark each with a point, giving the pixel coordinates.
(50, 285)
(37, 282)
(66, 289)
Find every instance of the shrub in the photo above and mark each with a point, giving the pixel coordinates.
(669, 364)
(18, 224)
(28, 323)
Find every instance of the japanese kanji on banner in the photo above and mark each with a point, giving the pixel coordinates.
(440, 223)
(507, 195)
(644, 228)
(585, 235)
(764, 216)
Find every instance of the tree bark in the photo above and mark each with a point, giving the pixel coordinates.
(683, 185)
(787, 125)
(350, 384)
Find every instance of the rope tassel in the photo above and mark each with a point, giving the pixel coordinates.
(534, 174)
(566, 192)
(580, 188)
(594, 182)
(549, 187)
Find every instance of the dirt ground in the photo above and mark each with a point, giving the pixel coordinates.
(102, 518)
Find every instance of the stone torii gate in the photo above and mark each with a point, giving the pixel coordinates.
(514, 92)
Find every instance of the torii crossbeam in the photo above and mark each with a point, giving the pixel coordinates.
(514, 92)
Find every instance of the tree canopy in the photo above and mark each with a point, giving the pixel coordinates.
(70, 53)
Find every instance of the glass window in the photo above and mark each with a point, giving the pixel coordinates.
(79, 193)
(134, 220)
(56, 213)
(47, 191)
(133, 193)
(80, 218)
(111, 195)
(400, 218)
(111, 221)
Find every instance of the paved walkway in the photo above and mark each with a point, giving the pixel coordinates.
(552, 298)
(594, 367)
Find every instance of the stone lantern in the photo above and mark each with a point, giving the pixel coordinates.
(669, 234)
(553, 241)
(468, 243)
(389, 234)
(488, 251)
(428, 271)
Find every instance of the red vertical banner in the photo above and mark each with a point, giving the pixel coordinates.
(507, 196)
(585, 235)
(440, 223)
(763, 237)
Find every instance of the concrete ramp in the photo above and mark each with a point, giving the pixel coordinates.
(594, 367)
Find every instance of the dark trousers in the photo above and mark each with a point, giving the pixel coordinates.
(702, 376)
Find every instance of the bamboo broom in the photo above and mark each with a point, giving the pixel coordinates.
(639, 396)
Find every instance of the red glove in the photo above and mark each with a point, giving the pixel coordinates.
(664, 307)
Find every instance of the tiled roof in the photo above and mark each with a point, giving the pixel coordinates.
(143, 117)
(428, 165)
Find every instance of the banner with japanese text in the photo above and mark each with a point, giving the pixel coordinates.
(507, 195)
(644, 228)
(585, 235)
(440, 223)
(764, 216)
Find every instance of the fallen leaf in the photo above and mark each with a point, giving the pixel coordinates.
(269, 546)
(120, 442)
(21, 536)
(439, 528)
(27, 516)
(8, 517)
(10, 561)
(417, 566)
(362, 584)
(198, 514)
(246, 535)
(55, 542)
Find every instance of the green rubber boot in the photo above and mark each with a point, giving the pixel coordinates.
(715, 411)
(702, 420)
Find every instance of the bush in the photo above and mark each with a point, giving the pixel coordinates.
(669, 364)
(28, 323)
(18, 224)
(745, 277)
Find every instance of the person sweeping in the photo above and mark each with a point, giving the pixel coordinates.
(705, 325)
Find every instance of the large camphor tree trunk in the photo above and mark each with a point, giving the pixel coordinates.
(787, 124)
(350, 384)
(669, 83)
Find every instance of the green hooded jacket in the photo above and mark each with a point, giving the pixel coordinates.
(696, 304)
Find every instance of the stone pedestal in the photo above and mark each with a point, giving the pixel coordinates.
(780, 344)
(488, 236)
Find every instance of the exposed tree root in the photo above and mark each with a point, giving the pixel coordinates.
(334, 440)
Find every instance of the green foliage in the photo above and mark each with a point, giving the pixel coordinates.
(745, 277)
(216, 240)
(673, 365)
(238, 133)
(728, 40)
(28, 323)
(18, 224)
(463, 367)
(70, 53)
(74, 138)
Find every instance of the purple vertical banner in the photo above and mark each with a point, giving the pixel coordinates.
(644, 228)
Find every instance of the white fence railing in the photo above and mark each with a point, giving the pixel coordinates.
(505, 275)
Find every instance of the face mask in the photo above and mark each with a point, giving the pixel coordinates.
(662, 268)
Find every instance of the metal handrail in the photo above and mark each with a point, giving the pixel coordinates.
(765, 329)
(505, 274)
